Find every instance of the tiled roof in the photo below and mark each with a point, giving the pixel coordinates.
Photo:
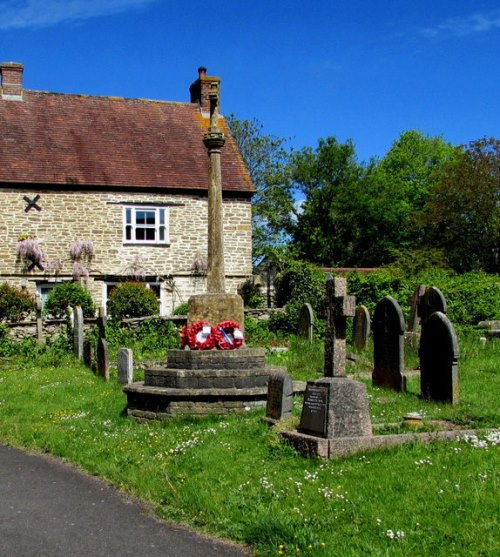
(60, 139)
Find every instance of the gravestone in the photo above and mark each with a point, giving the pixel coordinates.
(415, 302)
(306, 322)
(78, 332)
(279, 396)
(439, 354)
(388, 345)
(361, 327)
(125, 366)
(40, 339)
(339, 307)
(335, 407)
(101, 322)
(102, 359)
(88, 353)
(433, 300)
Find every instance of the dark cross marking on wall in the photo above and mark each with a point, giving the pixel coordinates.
(32, 203)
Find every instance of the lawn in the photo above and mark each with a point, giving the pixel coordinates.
(232, 477)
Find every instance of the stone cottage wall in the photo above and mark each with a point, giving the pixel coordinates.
(69, 216)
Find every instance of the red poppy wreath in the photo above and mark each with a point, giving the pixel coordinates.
(199, 336)
(228, 335)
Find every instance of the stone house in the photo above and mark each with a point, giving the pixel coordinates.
(111, 188)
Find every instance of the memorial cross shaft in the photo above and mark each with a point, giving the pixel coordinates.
(339, 307)
(214, 141)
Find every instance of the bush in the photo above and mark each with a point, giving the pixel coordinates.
(132, 299)
(69, 294)
(14, 303)
(181, 309)
(252, 294)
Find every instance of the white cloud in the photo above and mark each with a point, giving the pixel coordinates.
(15, 14)
(462, 26)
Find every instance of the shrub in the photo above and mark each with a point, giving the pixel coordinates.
(132, 299)
(181, 309)
(252, 294)
(14, 303)
(69, 294)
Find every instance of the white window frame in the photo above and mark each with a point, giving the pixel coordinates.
(160, 226)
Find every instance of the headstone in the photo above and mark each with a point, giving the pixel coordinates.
(439, 354)
(335, 407)
(78, 332)
(101, 322)
(306, 322)
(388, 345)
(40, 339)
(88, 353)
(279, 396)
(103, 359)
(125, 366)
(415, 302)
(361, 327)
(339, 307)
(432, 301)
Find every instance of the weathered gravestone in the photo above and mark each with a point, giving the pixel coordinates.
(78, 332)
(433, 300)
(125, 364)
(439, 354)
(361, 327)
(388, 345)
(306, 322)
(101, 322)
(339, 307)
(336, 406)
(40, 339)
(415, 302)
(88, 353)
(102, 367)
(279, 396)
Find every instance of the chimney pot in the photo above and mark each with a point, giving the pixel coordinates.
(11, 81)
(202, 71)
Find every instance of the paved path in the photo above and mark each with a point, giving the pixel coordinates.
(49, 509)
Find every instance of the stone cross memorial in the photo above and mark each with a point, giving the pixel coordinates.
(439, 356)
(388, 345)
(415, 301)
(339, 307)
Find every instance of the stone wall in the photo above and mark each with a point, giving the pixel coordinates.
(69, 216)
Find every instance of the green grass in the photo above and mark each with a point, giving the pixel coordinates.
(232, 477)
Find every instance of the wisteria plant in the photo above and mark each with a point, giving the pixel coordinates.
(30, 251)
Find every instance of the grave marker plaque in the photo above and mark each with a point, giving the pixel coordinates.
(314, 418)
(88, 353)
(103, 359)
(125, 366)
(432, 301)
(279, 396)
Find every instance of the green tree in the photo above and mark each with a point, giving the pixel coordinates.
(132, 299)
(329, 178)
(462, 215)
(267, 163)
(69, 294)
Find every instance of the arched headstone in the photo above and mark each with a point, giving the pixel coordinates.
(432, 301)
(388, 345)
(361, 327)
(306, 322)
(439, 354)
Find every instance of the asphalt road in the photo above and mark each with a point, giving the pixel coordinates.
(49, 509)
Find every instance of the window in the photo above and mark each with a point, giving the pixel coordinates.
(145, 225)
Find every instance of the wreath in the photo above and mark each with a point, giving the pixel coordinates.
(199, 336)
(228, 335)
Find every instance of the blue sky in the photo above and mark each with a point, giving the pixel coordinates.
(359, 69)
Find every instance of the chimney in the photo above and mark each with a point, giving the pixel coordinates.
(11, 81)
(201, 88)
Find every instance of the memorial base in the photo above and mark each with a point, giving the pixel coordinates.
(215, 308)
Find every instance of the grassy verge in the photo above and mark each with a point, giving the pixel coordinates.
(232, 477)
